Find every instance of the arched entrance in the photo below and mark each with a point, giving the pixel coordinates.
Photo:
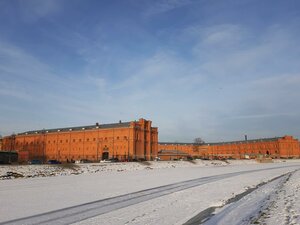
(105, 155)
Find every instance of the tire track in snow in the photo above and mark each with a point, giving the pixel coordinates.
(284, 206)
(253, 202)
(84, 211)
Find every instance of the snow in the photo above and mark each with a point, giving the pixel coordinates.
(61, 188)
(33, 171)
(247, 208)
(285, 204)
(179, 207)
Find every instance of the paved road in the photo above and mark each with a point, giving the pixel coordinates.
(92, 209)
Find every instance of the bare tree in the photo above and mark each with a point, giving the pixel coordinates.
(199, 141)
(196, 146)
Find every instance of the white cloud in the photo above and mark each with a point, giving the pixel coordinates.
(263, 116)
(163, 6)
(33, 10)
(231, 73)
(220, 35)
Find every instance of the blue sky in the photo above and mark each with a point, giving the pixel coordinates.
(210, 69)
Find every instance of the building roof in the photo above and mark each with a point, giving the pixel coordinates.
(244, 141)
(176, 143)
(221, 143)
(89, 127)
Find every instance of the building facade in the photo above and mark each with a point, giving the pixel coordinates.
(278, 147)
(123, 140)
(135, 140)
(173, 151)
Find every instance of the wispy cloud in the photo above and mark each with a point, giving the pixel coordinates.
(193, 71)
(27, 78)
(33, 10)
(219, 35)
(163, 6)
(263, 116)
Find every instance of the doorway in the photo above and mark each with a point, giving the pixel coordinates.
(105, 155)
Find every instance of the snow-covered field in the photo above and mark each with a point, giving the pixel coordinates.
(199, 186)
(33, 171)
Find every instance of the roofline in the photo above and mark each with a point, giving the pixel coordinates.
(219, 143)
(245, 141)
(78, 128)
(176, 143)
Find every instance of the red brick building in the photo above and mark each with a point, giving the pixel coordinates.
(135, 140)
(123, 140)
(278, 147)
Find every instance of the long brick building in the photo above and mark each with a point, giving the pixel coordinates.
(123, 140)
(278, 147)
(135, 140)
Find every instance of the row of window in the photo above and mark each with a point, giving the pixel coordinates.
(67, 140)
(60, 141)
(242, 151)
(87, 148)
(249, 147)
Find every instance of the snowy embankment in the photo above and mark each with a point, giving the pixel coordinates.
(248, 209)
(284, 204)
(275, 202)
(30, 197)
(32, 171)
